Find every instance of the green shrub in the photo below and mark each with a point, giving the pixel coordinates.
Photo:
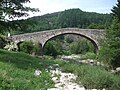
(30, 47)
(50, 49)
(81, 47)
(2, 41)
(53, 48)
(110, 50)
(69, 40)
(93, 77)
(116, 83)
(89, 55)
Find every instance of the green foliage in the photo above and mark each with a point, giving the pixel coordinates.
(111, 48)
(93, 77)
(17, 72)
(81, 19)
(10, 9)
(75, 48)
(27, 47)
(79, 47)
(30, 47)
(89, 55)
(16, 26)
(67, 46)
(116, 10)
(44, 22)
(53, 48)
(96, 26)
(110, 52)
(68, 18)
(69, 40)
(2, 41)
(50, 49)
(13, 8)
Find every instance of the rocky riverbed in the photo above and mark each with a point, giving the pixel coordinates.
(64, 81)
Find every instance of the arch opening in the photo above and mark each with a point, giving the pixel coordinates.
(86, 37)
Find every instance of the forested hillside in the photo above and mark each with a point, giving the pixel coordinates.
(63, 19)
(70, 18)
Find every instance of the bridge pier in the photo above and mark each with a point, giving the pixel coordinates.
(41, 49)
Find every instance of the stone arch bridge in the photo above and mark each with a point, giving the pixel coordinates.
(94, 35)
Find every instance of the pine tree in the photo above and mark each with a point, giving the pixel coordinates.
(110, 53)
(116, 10)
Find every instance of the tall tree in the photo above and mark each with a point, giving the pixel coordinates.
(111, 48)
(116, 10)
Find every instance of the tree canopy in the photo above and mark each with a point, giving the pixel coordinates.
(116, 10)
(14, 8)
(70, 18)
(9, 9)
(111, 48)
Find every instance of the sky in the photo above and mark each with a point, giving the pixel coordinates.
(50, 6)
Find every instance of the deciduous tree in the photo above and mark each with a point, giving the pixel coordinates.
(14, 8)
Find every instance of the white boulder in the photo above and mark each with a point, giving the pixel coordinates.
(37, 72)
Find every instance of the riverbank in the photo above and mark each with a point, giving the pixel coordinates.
(20, 71)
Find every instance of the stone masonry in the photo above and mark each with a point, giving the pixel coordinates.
(94, 35)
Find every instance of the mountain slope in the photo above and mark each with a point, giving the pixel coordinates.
(69, 18)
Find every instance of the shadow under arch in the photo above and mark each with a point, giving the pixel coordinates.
(18, 45)
(88, 38)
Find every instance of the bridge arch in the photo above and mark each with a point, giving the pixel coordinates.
(94, 35)
(94, 42)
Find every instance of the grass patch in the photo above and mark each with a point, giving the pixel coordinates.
(17, 72)
(89, 55)
(93, 77)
